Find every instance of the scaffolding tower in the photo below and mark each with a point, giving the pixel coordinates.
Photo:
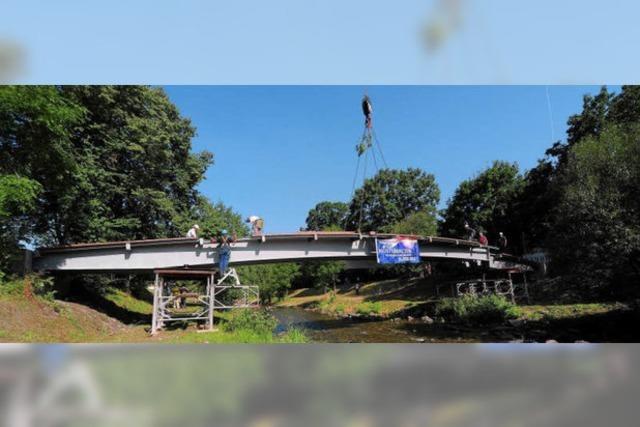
(169, 306)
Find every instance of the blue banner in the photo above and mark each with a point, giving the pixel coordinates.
(397, 250)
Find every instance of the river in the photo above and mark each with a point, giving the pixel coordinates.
(323, 328)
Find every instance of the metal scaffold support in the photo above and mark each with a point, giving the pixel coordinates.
(171, 303)
(483, 286)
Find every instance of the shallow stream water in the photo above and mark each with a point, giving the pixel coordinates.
(323, 328)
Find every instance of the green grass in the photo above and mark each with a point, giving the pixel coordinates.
(240, 336)
(369, 307)
(126, 301)
(294, 336)
(551, 312)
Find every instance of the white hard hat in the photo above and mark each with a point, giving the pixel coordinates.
(196, 226)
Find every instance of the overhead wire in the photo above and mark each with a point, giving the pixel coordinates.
(550, 110)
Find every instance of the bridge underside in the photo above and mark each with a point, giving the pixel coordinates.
(148, 255)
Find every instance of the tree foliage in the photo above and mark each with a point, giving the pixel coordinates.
(321, 274)
(137, 175)
(327, 215)
(418, 223)
(485, 202)
(36, 129)
(114, 162)
(391, 196)
(273, 280)
(596, 234)
(18, 200)
(212, 219)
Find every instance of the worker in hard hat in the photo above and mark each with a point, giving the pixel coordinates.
(471, 233)
(193, 231)
(257, 225)
(224, 250)
(502, 241)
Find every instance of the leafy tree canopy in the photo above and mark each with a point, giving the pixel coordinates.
(484, 201)
(273, 280)
(321, 274)
(114, 162)
(391, 196)
(212, 219)
(418, 223)
(18, 200)
(596, 234)
(327, 215)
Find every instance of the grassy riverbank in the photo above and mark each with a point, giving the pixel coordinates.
(413, 299)
(384, 298)
(29, 318)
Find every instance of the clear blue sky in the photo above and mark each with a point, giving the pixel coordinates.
(279, 150)
(323, 42)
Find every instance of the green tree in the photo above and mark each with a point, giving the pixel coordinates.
(273, 280)
(321, 274)
(326, 215)
(485, 201)
(36, 142)
(536, 203)
(592, 119)
(391, 196)
(136, 176)
(533, 207)
(18, 200)
(418, 223)
(114, 162)
(596, 234)
(212, 218)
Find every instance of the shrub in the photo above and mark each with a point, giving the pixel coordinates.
(325, 303)
(12, 287)
(472, 309)
(42, 286)
(294, 336)
(257, 321)
(369, 307)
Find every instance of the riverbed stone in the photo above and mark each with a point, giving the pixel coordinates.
(426, 319)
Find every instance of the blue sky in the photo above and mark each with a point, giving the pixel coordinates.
(279, 150)
(323, 41)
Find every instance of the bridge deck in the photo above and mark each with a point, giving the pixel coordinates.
(152, 254)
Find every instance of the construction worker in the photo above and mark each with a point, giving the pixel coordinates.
(193, 231)
(224, 250)
(502, 241)
(483, 239)
(175, 292)
(183, 298)
(257, 225)
(471, 233)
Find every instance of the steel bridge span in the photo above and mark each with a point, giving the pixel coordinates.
(358, 250)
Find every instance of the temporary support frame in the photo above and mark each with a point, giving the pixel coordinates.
(210, 300)
(485, 287)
